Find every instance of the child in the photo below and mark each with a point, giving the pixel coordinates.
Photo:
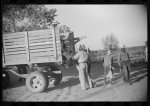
(107, 64)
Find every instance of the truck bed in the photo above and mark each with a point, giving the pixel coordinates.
(32, 47)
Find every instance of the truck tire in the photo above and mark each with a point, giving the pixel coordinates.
(37, 82)
(5, 79)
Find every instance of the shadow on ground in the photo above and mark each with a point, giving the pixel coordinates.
(69, 83)
(14, 82)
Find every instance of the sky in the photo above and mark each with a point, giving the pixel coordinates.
(127, 22)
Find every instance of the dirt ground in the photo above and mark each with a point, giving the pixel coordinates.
(70, 90)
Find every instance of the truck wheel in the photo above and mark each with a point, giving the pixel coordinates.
(37, 82)
(5, 79)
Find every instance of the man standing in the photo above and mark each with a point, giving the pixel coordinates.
(82, 67)
(107, 64)
(124, 62)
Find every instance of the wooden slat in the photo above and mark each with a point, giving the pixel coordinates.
(14, 46)
(16, 43)
(43, 59)
(9, 52)
(13, 37)
(40, 40)
(42, 54)
(14, 40)
(19, 41)
(18, 61)
(40, 37)
(42, 50)
(37, 44)
(17, 52)
(39, 32)
(15, 63)
(18, 34)
(15, 56)
(41, 46)
(14, 49)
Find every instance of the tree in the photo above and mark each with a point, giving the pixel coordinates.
(110, 42)
(18, 18)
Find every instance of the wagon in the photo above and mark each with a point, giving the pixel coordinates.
(38, 53)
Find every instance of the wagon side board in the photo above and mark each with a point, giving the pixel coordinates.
(32, 47)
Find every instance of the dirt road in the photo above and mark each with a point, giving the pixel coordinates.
(70, 90)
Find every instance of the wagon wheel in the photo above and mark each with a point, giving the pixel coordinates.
(5, 79)
(37, 82)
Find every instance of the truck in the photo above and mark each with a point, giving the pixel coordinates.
(38, 54)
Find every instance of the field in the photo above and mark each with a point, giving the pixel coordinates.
(136, 54)
(70, 90)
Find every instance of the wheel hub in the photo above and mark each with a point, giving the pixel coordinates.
(36, 82)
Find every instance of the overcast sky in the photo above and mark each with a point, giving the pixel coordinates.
(127, 22)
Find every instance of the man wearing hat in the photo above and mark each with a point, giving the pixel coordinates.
(82, 67)
(124, 61)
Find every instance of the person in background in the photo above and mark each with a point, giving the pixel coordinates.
(82, 67)
(89, 67)
(124, 60)
(65, 54)
(107, 64)
(146, 52)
